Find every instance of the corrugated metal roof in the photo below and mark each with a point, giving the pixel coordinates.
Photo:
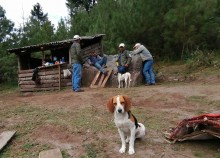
(51, 45)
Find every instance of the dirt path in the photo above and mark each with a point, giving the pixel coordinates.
(80, 125)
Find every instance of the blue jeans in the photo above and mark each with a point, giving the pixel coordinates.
(76, 76)
(148, 72)
(122, 69)
(99, 64)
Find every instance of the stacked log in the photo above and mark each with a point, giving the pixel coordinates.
(93, 48)
(51, 78)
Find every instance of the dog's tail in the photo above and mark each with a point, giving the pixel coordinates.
(142, 131)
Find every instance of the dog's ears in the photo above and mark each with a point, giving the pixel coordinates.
(127, 103)
(110, 105)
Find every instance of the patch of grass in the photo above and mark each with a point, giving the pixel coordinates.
(199, 99)
(198, 154)
(28, 146)
(204, 102)
(65, 154)
(8, 87)
(91, 151)
(196, 97)
(93, 121)
(217, 155)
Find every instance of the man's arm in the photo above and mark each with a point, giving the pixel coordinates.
(128, 58)
(137, 51)
(78, 49)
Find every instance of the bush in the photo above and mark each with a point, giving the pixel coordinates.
(202, 59)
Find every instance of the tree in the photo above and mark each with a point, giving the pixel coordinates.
(76, 6)
(7, 62)
(62, 31)
(38, 29)
(189, 26)
(37, 14)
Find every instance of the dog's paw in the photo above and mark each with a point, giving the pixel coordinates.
(131, 151)
(122, 150)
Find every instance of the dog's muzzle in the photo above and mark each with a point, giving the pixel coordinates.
(119, 110)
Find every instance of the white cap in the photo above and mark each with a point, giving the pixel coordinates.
(137, 45)
(121, 45)
(76, 37)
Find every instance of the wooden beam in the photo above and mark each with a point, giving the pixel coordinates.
(106, 78)
(5, 137)
(95, 79)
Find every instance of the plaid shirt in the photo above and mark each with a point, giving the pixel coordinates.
(124, 58)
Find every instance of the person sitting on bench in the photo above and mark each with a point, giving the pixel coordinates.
(98, 61)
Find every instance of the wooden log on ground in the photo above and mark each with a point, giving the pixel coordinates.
(53, 153)
(5, 137)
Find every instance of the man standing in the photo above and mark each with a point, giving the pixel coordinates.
(147, 60)
(77, 62)
(124, 59)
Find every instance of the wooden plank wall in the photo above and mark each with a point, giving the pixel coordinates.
(50, 76)
(95, 47)
(49, 79)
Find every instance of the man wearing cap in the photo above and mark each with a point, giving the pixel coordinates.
(124, 59)
(98, 62)
(77, 61)
(147, 60)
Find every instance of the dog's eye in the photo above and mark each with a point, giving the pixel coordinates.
(123, 103)
(114, 104)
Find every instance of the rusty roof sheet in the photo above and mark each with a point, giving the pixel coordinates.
(51, 45)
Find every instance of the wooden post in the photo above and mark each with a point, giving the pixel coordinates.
(59, 77)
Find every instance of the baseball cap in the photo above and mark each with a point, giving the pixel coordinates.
(76, 37)
(121, 45)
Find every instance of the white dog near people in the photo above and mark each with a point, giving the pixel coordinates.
(126, 77)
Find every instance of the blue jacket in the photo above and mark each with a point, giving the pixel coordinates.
(93, 59)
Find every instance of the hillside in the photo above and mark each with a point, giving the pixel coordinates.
(81, 126)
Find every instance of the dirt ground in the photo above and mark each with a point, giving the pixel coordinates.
(80, 125)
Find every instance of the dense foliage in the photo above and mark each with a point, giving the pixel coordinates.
(171, 29)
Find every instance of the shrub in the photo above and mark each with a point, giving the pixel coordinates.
(201, 59)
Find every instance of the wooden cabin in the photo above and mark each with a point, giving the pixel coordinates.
(51, 76)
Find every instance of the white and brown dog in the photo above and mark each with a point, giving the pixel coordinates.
(126, 77)
(128, 127)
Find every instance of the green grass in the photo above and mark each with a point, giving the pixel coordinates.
(31, 117)
(8, 87)
(91, 151)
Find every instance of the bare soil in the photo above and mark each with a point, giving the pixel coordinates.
(80, 125)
